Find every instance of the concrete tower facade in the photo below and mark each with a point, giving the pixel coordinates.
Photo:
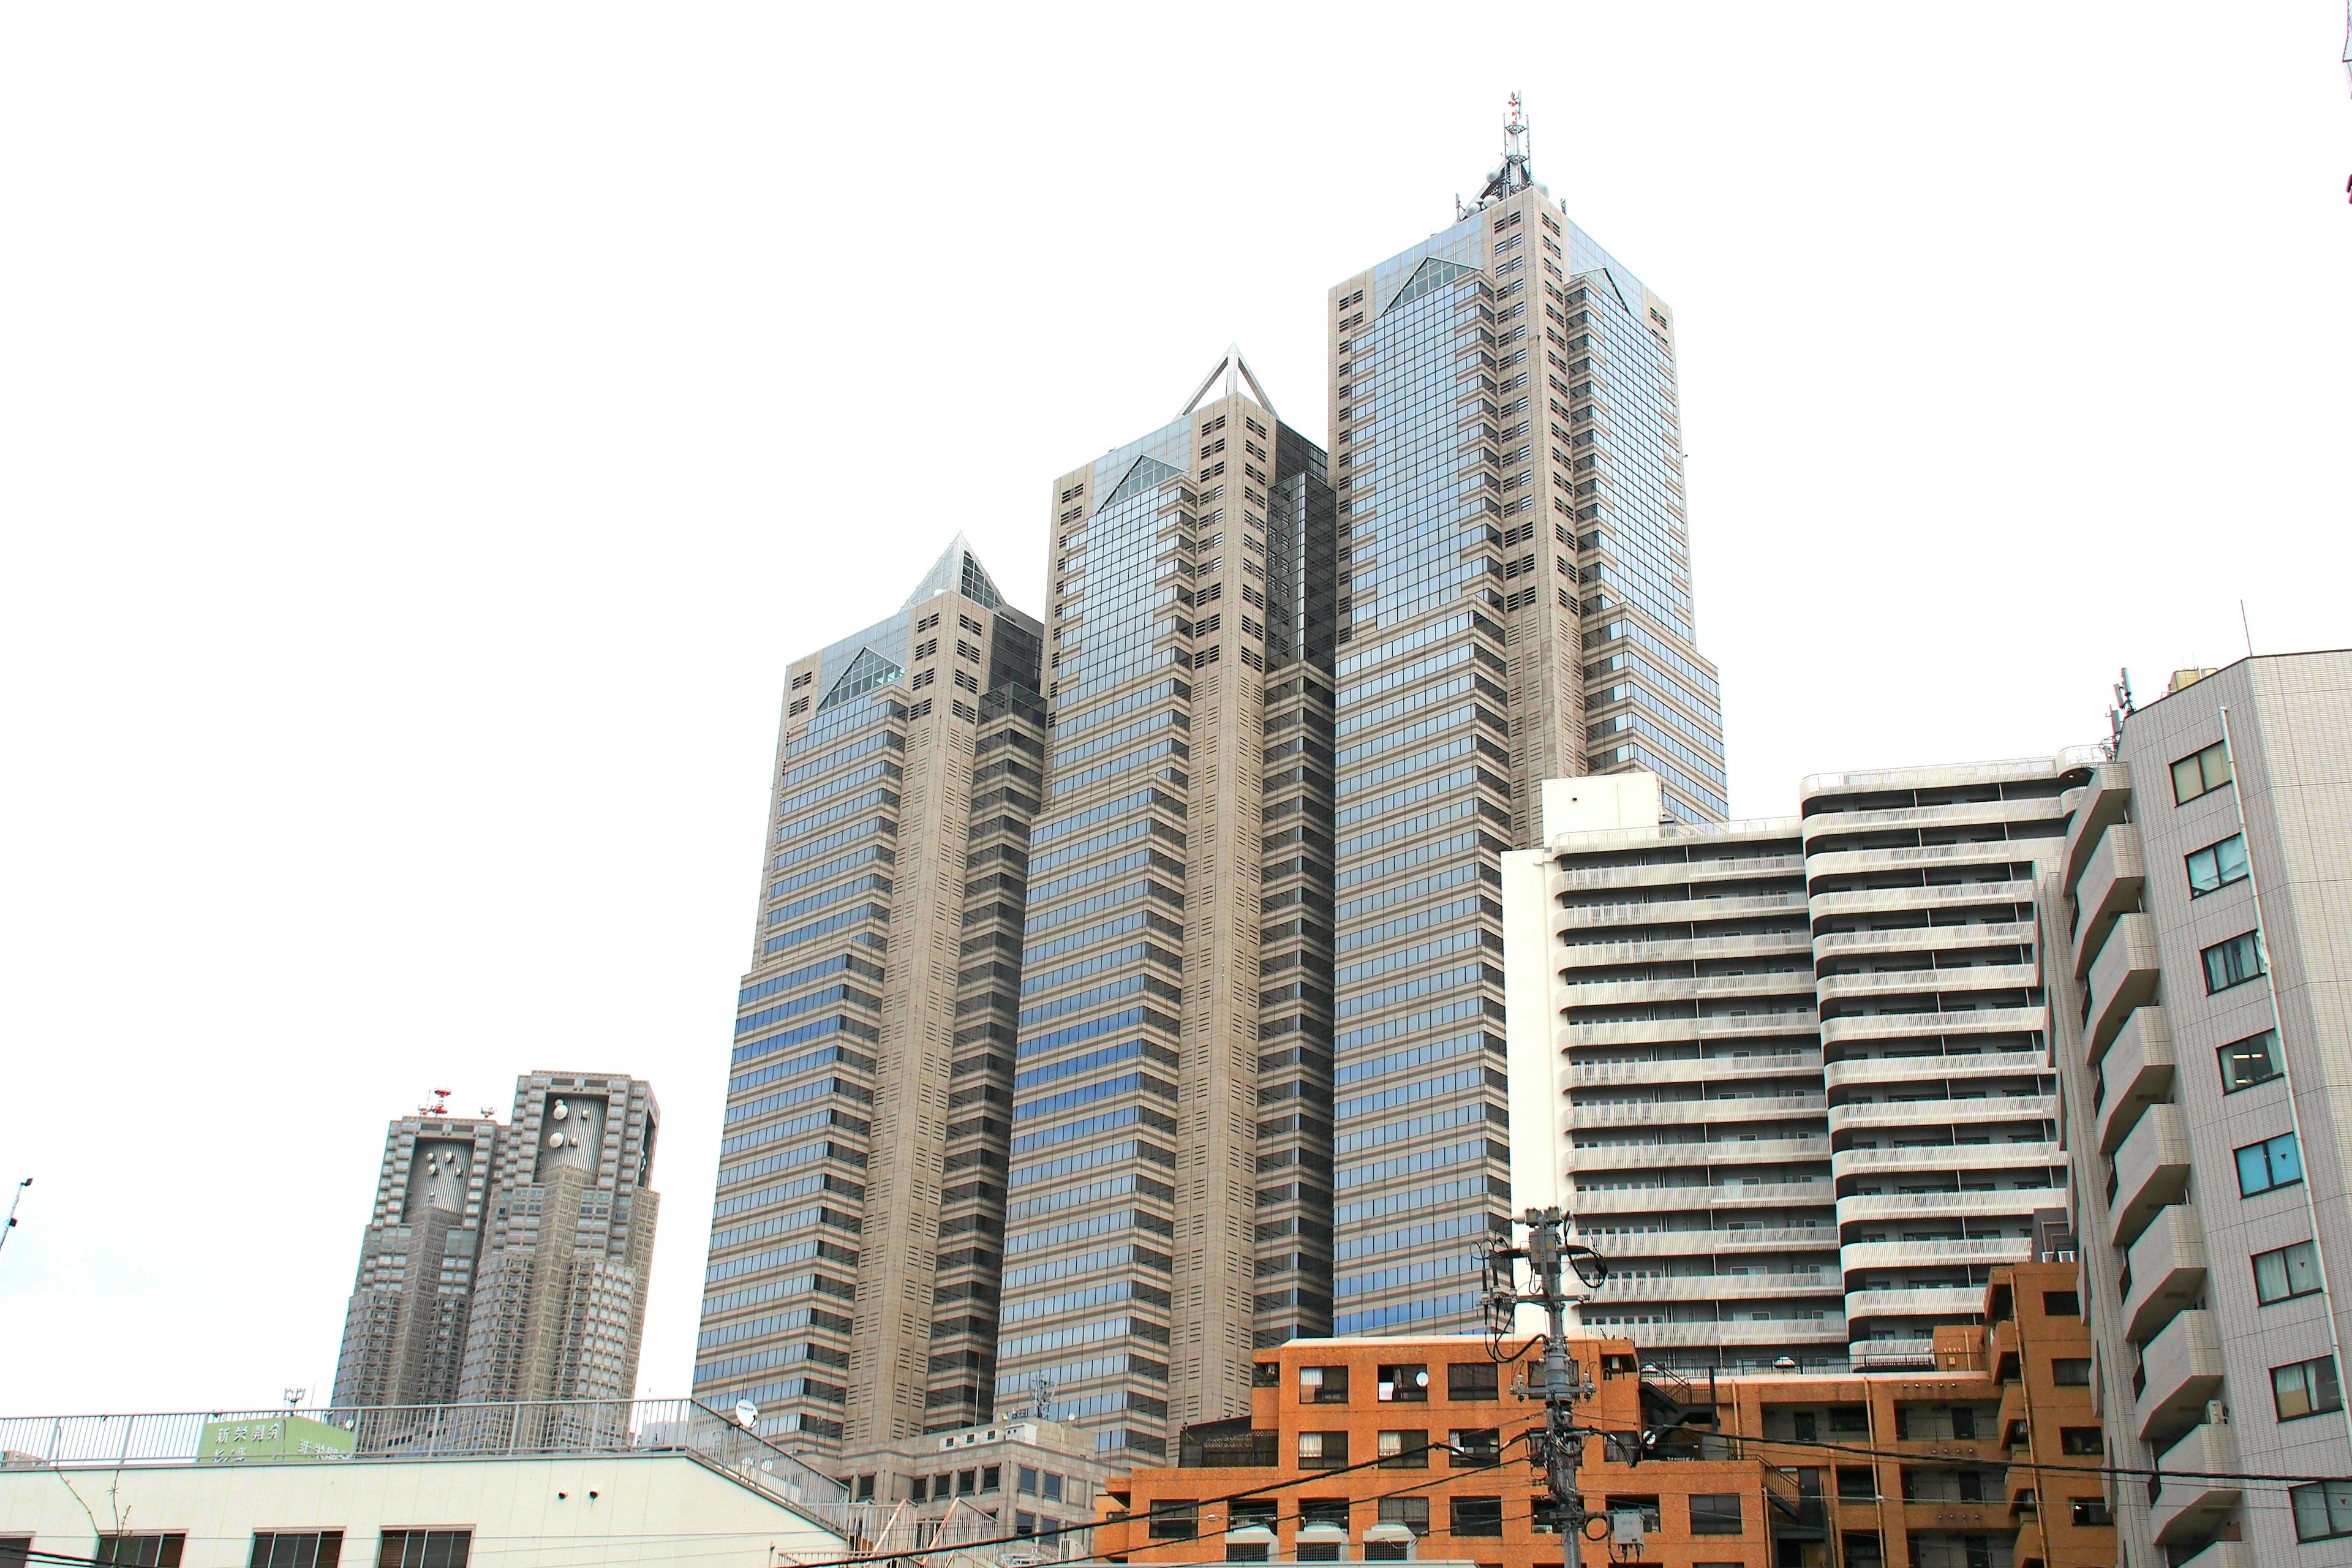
(1515, 605)
(559, 1308)
(857, 1233)
(1171, 1140)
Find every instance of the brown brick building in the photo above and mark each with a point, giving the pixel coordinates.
(1378, 1448)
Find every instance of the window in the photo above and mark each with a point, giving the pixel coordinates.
(1322, 1385)
(2273, 1163)
(919, 1489)
(13, 1550)
(2305, 1388)
(2061, 1304)
(1330, 1512)
(2233, 962)
(2080, 1440)
(1412, 1512)
(1471, 1380)
(2200, 773)
(2071, 1373)
(147, 1549)
(1404, 1385)
(2322, 1509)
(1861, 1549)
(297, 1549)
(1322, 1450)
(967, 1482)
(2286, 1273)
(866, 1488)
(424, 1549)
(2249, 1061)
(1265, 1375)
(1475, 1516)
(2089, 1510)
(990, 1476)
(1027, 1479)
(1052, 1487)
(1404, 1450)
(1175, 1519)
(1475, 1446)
(1856, 1483)
(2214, 867)
(1715, 1513)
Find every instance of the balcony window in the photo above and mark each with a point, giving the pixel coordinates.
(2285, 1273)
(1404, 1450)
(2305, 1388)
(2247, 1062)
(2200, 772)
(1715, 1513)
(1475, 1515)
(2217, 866)
(2233, 962)
(1322, 1450)
(1404, 1385)
(2323, 1511)
(2271, 1163)
(1471, 1380)
(1322, 1385)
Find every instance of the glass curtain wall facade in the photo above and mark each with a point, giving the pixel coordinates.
(860, 1183)
(1176, 965)
(1514, 604)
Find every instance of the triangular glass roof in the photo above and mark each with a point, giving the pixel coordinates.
(1148, 473)
(1430, 276)
(958, 571)
(867, 671)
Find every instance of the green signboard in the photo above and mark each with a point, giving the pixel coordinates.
(271, 1438)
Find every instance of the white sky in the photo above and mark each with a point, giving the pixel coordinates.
(426, 433)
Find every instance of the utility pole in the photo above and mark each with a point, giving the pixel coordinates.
(19, 1198)
(1556, 1450)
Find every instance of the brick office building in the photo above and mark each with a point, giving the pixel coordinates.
(1384, 1448)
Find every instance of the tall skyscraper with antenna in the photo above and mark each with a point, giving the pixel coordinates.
(1516, 605)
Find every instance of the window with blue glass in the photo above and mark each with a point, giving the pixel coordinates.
(2270, 1164)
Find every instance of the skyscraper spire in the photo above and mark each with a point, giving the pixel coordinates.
(1512, 173)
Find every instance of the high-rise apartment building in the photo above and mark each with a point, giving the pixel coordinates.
(1515, 605)
(1168, 1196)
(2208, 881)
(559, 1306)
(1796, 1078)
(856, 1234)
(509, 1262)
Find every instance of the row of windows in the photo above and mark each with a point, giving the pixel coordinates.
(1413, 892)
(766, 988)
(1090, 1160)
(1046, 832)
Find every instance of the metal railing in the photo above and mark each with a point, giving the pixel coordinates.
(410, 1432)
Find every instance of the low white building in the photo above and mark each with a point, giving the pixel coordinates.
(550, 1485)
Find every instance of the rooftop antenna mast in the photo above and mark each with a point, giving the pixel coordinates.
(1512, 174)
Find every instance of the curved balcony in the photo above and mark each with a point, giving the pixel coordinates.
(1864, 1207)
(1685, 1031)
(1946, 1157)
(2122, 977)
(1930, 981)
(1714, 1196)
(1722, 1150)
(1686, 988)
(1960, 1112)
(2180, 1370)
(2135, 1073)
(1875, 1026)
(1675, 911)
(1943, 896)
(1708, 1243)
(1700, 1069)
(1929, 1254)
(1668, 950)
(2184, 1507)
(2164, 1271)
(1855, 1070)
(2151, 1171)
(1927, 939)
(1830, 824)
(2110, 889)
(2098, 805)
(1944, 1301)
(1861, 862)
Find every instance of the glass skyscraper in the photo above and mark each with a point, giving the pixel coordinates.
(1515, 605)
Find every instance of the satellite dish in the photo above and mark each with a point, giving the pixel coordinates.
(746, 1414)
